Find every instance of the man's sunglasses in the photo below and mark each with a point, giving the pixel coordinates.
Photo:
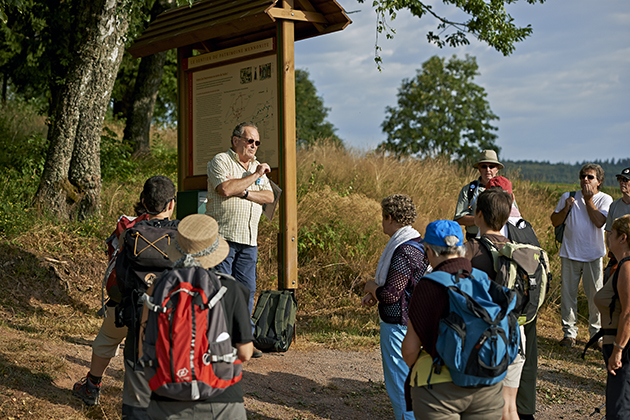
(487, 166)
(251, 141)
(590, 177)
(622, 179)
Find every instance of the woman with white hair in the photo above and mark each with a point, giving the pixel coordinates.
(401, 265)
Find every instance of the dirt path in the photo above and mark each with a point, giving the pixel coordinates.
(308, 382)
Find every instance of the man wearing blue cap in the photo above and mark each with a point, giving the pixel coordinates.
(444, 243)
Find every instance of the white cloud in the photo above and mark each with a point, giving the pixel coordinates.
(564, 95)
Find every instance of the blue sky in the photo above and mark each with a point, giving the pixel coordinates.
(562, 96)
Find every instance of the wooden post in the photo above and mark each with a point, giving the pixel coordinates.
(287, 273)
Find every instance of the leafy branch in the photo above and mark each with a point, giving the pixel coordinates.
(488, 22)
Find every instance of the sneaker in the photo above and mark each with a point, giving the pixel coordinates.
(257, 354)
(567, 342)
(87, 391)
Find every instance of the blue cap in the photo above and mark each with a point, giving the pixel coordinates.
(440, 229)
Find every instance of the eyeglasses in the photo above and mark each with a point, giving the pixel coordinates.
(251, 141)
(590, 177)
(487, 166)
(622, 179)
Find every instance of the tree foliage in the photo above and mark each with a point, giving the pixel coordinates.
(311, 114)
(440, 112)
(488, 21)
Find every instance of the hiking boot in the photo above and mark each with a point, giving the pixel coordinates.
(257, 354)
(567, 342)
(87, 391)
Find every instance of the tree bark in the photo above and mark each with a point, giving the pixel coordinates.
(71, 182)
(137, 130)
(140, 111)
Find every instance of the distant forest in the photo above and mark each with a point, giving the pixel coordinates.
(564, 173)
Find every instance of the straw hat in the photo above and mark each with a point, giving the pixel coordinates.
(198, 242)
(488, 156)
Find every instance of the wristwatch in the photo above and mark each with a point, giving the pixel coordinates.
(246, 194)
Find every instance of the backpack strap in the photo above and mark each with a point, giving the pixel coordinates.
(472, 193)
(493, 249)
(572, 195)
(281, 309)
(595, 338)
(260, 306)
(608, 331)
(615, 280)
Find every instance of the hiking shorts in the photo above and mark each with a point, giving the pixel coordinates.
(109, 337)
(513, 377)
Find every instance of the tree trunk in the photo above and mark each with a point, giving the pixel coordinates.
(145, 91)
(137, 130)
(71, 182)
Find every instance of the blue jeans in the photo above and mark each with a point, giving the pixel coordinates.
(241, 264)
(395, 369)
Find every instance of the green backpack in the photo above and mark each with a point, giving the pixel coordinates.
(524, 268)
(274, 320)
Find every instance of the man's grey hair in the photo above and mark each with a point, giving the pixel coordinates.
(240, 129)
(451, 249)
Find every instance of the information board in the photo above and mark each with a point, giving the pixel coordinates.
(223, 96)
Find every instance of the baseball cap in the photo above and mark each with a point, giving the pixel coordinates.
(437, 231)
(500, 181)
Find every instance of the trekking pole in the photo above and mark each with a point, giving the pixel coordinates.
(598, 410)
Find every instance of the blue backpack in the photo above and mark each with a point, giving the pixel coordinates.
(479, 338)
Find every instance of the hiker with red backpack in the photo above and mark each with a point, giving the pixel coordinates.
(196, 330)
(105, 345)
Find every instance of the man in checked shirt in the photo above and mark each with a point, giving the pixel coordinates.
(237, 189)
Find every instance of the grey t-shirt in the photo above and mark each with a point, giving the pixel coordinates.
(617, 209)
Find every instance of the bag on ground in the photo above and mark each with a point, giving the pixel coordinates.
(187, 349)
(479, 338)
(274, 320)
(524, 268)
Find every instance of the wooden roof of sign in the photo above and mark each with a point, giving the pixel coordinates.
(216, 24)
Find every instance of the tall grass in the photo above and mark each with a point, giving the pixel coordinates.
(339, 232)
(340, 238)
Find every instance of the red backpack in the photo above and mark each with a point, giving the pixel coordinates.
(113, 247)
(187, 350)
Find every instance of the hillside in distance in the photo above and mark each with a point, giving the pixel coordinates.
(562, 173)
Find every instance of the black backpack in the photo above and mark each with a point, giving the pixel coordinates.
(141, 259)
(522, 233)
(274, 320)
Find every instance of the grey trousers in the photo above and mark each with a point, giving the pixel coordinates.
(448, 401)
